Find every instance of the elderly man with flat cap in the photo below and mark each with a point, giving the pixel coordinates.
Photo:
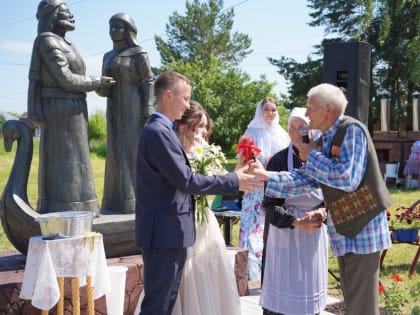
(57, 102)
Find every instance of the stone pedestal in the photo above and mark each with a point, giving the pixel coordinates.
(12, 265)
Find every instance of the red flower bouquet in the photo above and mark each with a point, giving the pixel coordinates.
(247, 148)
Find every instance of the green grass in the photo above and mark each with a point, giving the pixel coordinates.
(397, 260)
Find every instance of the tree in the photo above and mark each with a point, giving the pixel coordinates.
(205, 30)
(302, 76)
(228, 94)
(351, 20)
(97, 133)
(396, 37)
(391, 27)
(200, 45)
(97, 126)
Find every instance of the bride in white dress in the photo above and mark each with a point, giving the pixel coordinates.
(208, 285)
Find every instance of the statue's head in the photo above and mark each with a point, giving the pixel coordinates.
(45, 7)
(130, 27)
(52, 13)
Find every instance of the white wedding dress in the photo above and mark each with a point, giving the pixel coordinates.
(208, 285)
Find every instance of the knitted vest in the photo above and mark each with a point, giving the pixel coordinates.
(351, 212)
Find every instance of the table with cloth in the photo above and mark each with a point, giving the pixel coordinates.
(81, 258)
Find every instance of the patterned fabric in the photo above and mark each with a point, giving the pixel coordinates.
(348, 172)
(293, 183)
(351, 224)
(251, 231)
(353, 205)
(281, 219)
(413, 163)
(373, 238)
(276, 215)
(346, 176)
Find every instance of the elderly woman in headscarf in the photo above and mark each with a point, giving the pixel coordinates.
(57, 102)
(129, 105)
(296, 251)
(270, 137)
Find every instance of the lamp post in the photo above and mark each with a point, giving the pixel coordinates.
(384, 95)
(415, 96)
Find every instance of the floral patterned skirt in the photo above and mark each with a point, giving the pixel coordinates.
(252, 231)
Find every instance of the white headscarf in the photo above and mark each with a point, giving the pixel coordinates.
(270, 138)
(298, 112)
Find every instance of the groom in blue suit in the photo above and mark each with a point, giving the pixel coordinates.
(165, 189)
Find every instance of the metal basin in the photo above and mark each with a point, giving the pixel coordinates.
(65, 224)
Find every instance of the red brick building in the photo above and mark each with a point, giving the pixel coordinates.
(391, 148)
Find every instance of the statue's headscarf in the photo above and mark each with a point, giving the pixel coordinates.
(131, 35)
(45, 19)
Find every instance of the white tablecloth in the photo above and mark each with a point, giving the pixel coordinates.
(79, 256)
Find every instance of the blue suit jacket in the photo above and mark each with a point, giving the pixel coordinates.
(165, 188)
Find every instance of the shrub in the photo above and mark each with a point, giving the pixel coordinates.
(97, 126)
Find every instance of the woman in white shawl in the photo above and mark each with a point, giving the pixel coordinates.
(270, 137)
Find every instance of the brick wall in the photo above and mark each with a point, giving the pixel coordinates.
(12, 266)
(390, 148)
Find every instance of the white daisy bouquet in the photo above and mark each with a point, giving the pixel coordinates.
(207, 159)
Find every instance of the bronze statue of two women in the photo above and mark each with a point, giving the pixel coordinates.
(57, 103)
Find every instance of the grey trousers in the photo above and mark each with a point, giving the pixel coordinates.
(359, 277)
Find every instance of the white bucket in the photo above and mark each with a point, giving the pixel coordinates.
(115, 298)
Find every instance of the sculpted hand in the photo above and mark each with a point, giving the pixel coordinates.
(107, 81)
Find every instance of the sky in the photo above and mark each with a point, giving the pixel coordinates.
(276, 27)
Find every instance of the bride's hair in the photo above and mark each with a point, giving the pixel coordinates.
(192, 117)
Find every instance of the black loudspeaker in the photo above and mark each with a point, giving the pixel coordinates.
(347, 65)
